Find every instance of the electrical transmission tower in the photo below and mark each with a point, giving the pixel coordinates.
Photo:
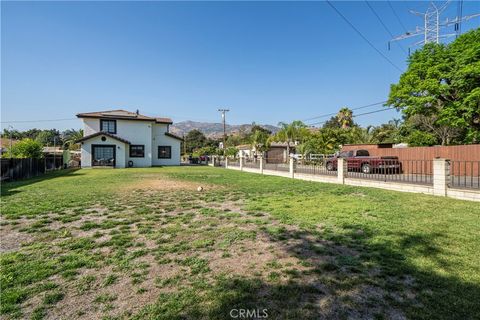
(432, 25)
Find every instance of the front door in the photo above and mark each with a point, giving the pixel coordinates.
(103, 155)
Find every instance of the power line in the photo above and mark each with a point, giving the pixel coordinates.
(363, 37)
(384, 26)
(357, 108)
(396, 15)
(45, 120)
(357, 115)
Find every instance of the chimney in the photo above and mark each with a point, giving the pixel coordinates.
(137, 112)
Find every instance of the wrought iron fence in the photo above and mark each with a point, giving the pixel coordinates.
(465, 174)
(251, 163)
(405, 171)
(277, 164)
(313, 168)
(233, 162)
(221, 161)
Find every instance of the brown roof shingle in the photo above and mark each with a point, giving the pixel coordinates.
(101, 133)
(122, 114)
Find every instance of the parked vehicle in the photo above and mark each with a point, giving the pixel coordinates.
(360, 160)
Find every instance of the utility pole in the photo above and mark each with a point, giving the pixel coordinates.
(431, 30)
(223, 111)
(54, 153)
(10, 128)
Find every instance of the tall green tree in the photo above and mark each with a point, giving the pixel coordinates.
(26, 148)
(49, 137)
(194, 139)
(441, 89)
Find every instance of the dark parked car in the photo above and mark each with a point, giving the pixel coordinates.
(360, 160)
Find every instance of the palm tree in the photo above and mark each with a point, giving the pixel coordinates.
(71, 136)
(345, 117)
(260, 141)
(292, 132)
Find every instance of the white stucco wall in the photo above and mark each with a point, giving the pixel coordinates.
(90, 126)
(120, 151)
(137, 132)
(146, 133)
(160, 139)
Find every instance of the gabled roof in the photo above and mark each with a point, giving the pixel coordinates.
(122, 114)
(101, 133)
(173, 136)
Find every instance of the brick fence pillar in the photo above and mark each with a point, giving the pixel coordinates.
(241, 162)
(341, 170)
(441, 176)
(291, 168)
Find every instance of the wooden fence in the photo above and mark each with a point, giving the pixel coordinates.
(16, 169)
(462, 153)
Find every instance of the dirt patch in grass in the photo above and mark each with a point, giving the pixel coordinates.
(162, 242)
(165, 184)
(12, 239)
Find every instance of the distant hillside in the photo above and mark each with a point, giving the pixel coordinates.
(213, 130)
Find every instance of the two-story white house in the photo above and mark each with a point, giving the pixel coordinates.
(121, 139)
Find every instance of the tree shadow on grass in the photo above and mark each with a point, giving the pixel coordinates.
(9, 188)
(387, 272)
(364, 279)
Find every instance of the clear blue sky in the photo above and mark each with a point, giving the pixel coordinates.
(266, 61)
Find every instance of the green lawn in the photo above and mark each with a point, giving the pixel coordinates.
(145, 244)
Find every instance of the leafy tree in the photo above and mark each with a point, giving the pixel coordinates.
(26, 148)
(318, 143)
(387, 132)
(332, 123)
(231, 151)
(421, 138)
(49, 137)
(441, 87)
(195, 139)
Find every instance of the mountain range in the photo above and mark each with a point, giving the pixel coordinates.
(214, 130)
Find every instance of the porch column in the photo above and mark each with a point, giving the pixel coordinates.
(341, 170)
(441, 176)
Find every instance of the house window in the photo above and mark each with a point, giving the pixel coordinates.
(109, 126)
(164, 152)
(137, 151)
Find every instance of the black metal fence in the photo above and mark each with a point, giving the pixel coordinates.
(251, 163)
(465, 174)
(406, 171)
(16, 169)
(277, 164)
(314, 168)
(233, 162)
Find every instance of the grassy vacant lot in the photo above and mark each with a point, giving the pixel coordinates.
(144, 244)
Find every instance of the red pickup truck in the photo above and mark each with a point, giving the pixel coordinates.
(360, 160)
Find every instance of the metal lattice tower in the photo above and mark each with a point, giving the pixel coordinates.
(433, 25)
